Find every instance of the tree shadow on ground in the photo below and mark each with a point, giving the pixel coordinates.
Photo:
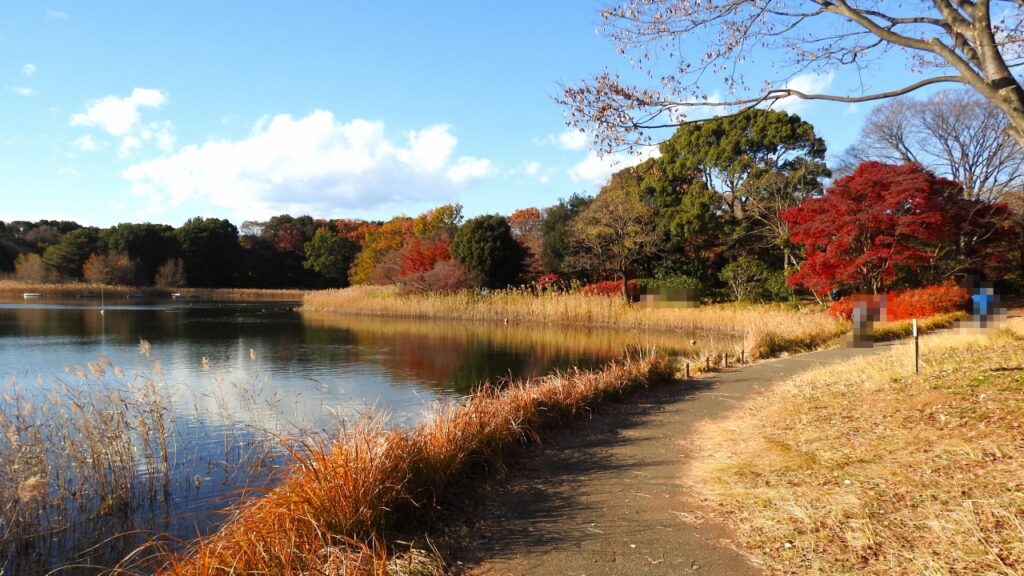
(524, 507)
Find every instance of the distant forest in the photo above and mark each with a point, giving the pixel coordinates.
(741, 207)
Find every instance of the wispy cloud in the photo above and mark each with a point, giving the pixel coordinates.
(122, 117)
(809, 83)
(56, 14)
(315, 164)
(597, 170)
(567, 140)
(536, 170)
(21, 90)
(118, 116)
(86, 144)
(28, 70)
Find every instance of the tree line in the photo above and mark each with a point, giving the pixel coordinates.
(743, 205)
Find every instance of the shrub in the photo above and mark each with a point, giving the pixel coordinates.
(916, 303)
(611, 288)
(776, 289)
(32, 268)
(746, 278)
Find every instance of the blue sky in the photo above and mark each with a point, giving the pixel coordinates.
(142, 111)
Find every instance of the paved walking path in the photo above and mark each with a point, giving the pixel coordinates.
(605, 497)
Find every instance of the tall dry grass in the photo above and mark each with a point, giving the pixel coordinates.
(13, 289)
(767, 330)
(340, 497)
(866, 468)
(98, 447)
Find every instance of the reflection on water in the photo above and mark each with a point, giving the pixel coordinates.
(235, 375)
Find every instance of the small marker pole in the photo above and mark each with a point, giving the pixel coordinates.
(707, 363)
(687, 370)
(917, 349)
(743, 356)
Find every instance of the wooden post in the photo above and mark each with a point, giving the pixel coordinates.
(707, 363)
(726, 359)
(743, 356)
(917, 349)
(687, 370)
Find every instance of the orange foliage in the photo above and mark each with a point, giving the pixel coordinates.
(611, 288)
(916, 303)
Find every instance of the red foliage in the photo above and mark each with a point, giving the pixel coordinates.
(423, 255)
(611, 288)
(547, 280)
(868, 224)
(917, 303)
(288, 238)
(354, 230)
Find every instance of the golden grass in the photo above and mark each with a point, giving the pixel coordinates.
(766, 330)
(340, 497)
(15, 289)
(866, 468)
(885, 331)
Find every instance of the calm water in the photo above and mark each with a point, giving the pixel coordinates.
(236, 373)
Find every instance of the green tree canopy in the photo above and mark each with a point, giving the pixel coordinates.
(485, 246)
(554, 232)
(209, 251)
(330, 255)
(148, 245)
(69, 255)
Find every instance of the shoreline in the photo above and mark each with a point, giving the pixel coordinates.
(342, 498)
(14, 290)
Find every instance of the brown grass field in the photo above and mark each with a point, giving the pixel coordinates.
(867, 468)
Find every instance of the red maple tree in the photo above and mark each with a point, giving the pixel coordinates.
(869, 225)
(423, 255)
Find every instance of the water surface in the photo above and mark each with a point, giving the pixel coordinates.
(239, 375)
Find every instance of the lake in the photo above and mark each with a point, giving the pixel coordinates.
(222, 384)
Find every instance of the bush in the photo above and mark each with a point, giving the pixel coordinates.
(916, 303)
(661, 285)
(776, 289)
(746, 278)
(611, 288)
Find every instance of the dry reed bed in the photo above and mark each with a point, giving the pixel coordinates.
(866, 468)
(767, 330)
(340, 497)
(532, 337)
(99, 444)
(15, 289)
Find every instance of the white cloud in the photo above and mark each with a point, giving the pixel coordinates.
(809, 83)
(573, 140)
(536, 170)
(21, 91)
(569, 140)
(122, 117)
(315, 164)
(597, 170)
(28, 69)
(56, 14)
(118, 116)
(86, 144)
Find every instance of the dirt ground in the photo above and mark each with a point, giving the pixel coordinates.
(605, 496)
